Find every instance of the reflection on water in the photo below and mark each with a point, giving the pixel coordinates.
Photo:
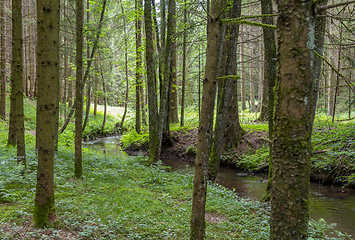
(334, 204)
(108, 145)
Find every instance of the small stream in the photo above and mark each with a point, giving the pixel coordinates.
(334, 204)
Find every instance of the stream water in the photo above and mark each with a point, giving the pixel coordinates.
(333, 203)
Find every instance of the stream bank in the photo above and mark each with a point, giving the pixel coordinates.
(332, 163)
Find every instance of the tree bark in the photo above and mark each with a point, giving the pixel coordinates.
(227, 118)
(138, 6)
(17, 79)
(183, 68)
(204, 141)
(79, 88)
(151, 79)
(319, 41)
(126, 67)
(47, 106)
(293, 121)
(2, 63)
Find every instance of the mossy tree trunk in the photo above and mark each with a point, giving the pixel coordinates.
(79, 88)
(47, 107)
(293, 121)
(152, 89)
(17, 79)
(138, 6)
(205, 131)
(270, 79)
(227, 119)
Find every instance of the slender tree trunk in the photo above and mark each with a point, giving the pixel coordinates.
(2, 63)
(151, 80)
(242, 72)
(79, 88)
(319, 41)
(17, 78)
(96, 86)
(47, 105)
(270, 78)
(138, 6)
(88, 101)
(261, 79)
(173, 108)
(87, 109)
(126, 67)
(331, 94)
(183, 68)
(105, 102)
(198, 224)
(293, 121)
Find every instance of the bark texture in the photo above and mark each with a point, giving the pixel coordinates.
(17, 79)
(152, 89)
(2, 63)
(227, 128)
(138, 6)
(79, 88)
(293, 121)
(47, 108)
(205, 132)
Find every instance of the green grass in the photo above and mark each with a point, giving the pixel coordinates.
(121, 198)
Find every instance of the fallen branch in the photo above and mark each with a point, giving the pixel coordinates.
(321, 151)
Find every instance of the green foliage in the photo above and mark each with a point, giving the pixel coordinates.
(133, 140)
(318, 230)
(248, 162)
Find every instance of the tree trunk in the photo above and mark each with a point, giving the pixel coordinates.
(126, 67)
(242, 72)
(47, 106)
(138, 6)
(151, 79)
(227, 118)
(331, 94)
(204, 141)
(293, 121)
(2, 63)
(79, 88)
(17, 78)
(183, 68)
(321, 21)
(96, 86)
(173, 111)
(270, 78)
(105, 102)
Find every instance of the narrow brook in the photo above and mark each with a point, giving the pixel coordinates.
(334, 204)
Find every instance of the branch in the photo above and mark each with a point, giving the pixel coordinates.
(325, 7)
(229, 76)
(208, 14)
(335, 70)
(237, 21)
(256, 16)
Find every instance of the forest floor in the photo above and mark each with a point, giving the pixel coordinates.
(127, 198)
